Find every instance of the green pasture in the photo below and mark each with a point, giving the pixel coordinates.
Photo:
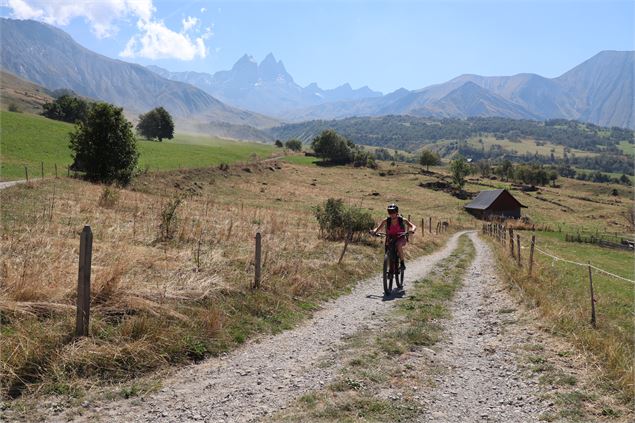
(527, 146)
(627, 147)
(28, 140)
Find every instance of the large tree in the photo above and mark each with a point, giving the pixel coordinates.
(103, 146)
(333, 147)
(429, 158)
(295, 145)
(157, 123)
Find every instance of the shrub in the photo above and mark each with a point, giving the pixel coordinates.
(294, 145)
(169, 219)
(336, 219)
(14, 108)
(109, 197)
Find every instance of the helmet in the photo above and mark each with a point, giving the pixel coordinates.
(393, 207)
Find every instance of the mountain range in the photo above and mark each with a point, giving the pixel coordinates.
(238, 102)
(265, 88)
(599, 90)
(47, 56)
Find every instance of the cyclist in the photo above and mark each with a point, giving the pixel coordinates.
(394, 226)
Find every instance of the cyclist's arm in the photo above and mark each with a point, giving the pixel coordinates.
(381, 225)
(412, 227)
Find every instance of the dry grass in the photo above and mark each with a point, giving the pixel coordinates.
(561, 295)
(160, 300)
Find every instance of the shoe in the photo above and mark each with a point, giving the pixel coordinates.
(403, 265)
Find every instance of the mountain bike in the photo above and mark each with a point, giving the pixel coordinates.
(392, 269)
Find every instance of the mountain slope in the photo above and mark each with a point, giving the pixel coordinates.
(48, 56)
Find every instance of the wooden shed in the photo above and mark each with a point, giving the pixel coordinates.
(494, 203)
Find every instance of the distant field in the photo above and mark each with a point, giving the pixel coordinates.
(627, 148)
(28, 139)
(527, 146)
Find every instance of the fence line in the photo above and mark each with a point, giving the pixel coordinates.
(584, 265)
(489, 229)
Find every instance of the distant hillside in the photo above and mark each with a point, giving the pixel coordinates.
(265, 88)
(48, 56)
(411, 133)
(21, 94)
(598, 91)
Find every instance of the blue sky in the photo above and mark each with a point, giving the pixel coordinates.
(383, 44)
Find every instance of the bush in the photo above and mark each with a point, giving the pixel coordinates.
(109, 197)
(14, 108)
(294, 145)
(336, 219)
(67, 108)
(104, 146)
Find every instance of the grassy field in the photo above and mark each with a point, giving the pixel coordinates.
(29, 140)
(160, 302)
(524, 146)
(627, 147)
(560, 291)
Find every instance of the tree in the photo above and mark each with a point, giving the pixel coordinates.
(333, 147)
(67, 108)
(157, 123)
(460, 168)
(103, 146)
(429, 158)
(294, 145)
(279, 144)
(484, 168)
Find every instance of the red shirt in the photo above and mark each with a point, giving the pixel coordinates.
(394, 229)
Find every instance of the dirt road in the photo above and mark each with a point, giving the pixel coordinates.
(262, 377)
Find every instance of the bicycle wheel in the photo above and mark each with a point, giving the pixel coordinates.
(399, 277)
(387, 275)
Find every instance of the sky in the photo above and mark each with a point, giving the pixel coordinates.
(385, 45)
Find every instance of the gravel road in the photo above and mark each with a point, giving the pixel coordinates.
(8, 184)
(482, 380)
(264, 375)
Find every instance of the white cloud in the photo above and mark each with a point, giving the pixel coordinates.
(189, 23)
(203, 10)
(156, 41)
(22, 10)
(101, 15)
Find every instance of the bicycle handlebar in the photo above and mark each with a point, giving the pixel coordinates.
(383, 234)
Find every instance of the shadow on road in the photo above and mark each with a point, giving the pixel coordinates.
(396, 293)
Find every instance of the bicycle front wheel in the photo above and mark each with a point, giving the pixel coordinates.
(387, 275)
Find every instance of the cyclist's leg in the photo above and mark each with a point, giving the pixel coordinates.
(400, 247)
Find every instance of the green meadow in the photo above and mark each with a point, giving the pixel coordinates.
(29, 140)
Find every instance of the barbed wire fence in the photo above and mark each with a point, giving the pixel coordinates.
(501, 234)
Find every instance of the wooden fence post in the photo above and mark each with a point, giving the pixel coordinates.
(42, 167)
(83, 282)
(257, 260)
(68, 171)
(423, 227)
(26, 173)
(349, 235)
(531, 253)
(511, 242)
(55, 170)
(430, 223)
(518, 248)
(592, 296)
